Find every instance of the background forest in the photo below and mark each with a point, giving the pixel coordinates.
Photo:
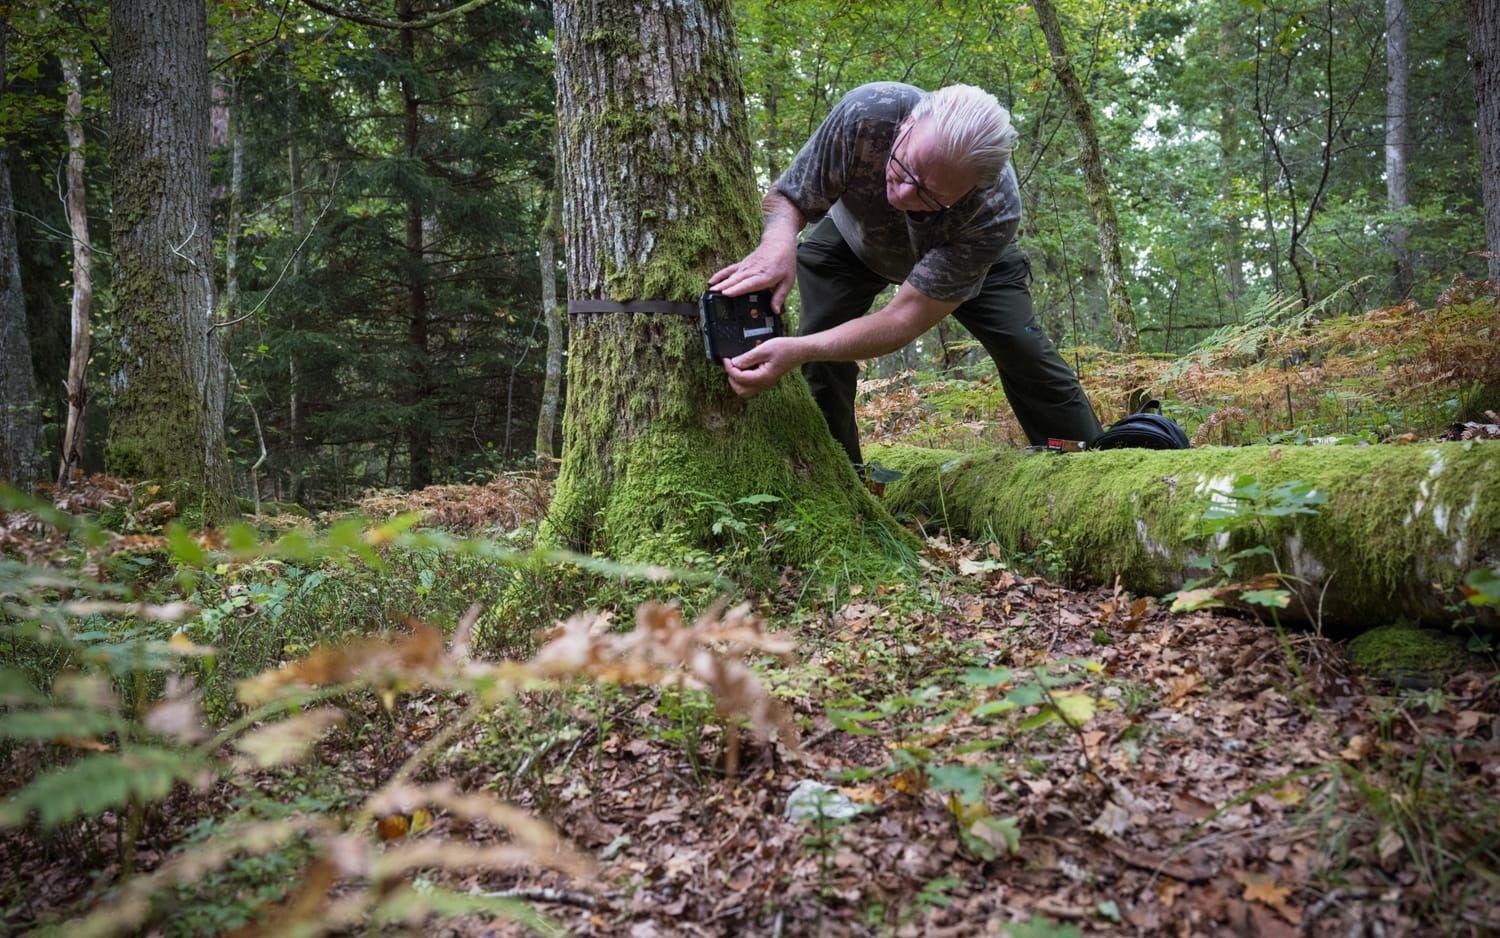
(379, 195)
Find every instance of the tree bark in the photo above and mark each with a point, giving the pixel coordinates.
(1484, 32)
(1398, 70)
(83, 281)
(168, 419)
(552, 313)
(1096, 184)
(658, 193)
(20, 422)
(1398, 519)
(236, 189)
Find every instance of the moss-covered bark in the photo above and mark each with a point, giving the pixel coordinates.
(167, 419)
(657, 194)
(1402, 526)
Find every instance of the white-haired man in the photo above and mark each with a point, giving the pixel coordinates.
(912, 188)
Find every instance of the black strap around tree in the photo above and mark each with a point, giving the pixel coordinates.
(666, 307)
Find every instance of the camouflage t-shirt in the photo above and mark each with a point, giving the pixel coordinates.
(840, 171)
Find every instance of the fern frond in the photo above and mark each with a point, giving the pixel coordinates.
(57, 724)
(97, 782)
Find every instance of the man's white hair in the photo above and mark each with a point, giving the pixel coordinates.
(968, 127)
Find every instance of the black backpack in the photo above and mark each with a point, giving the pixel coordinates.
(1143, 430)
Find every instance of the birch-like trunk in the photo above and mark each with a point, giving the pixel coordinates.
(1095, 183)
(168, 419)
(658, 193)
(1398, 70)
(552, 313)
(83, 281)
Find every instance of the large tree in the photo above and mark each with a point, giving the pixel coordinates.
(168, 421)
(20, 425)
(658, 192)
(1484, 26)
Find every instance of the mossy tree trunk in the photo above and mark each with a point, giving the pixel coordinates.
(1402, 527)
(1095, 183)
(168, 420)
(657, 194)
(20, 422)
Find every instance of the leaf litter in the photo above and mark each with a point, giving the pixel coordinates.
(1220, 778)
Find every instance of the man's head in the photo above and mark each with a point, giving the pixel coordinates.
(956, 138)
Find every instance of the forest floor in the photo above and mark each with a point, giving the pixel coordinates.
(980, 750)
(1017, 756)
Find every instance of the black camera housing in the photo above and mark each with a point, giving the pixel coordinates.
(733, 325)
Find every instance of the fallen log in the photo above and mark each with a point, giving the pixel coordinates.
(1400, 529)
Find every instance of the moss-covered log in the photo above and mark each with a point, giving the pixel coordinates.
(1401, 527)
(657, 194)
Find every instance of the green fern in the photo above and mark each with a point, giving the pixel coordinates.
(98, 782)
(55, 724)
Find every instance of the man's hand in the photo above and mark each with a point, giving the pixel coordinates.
(772, 266)
(758, 369)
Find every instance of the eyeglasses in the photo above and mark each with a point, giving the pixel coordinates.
(928, 197)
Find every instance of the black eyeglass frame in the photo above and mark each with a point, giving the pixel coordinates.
(928, 197)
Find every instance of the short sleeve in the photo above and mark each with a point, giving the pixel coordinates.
(955, 272)
(820, 172)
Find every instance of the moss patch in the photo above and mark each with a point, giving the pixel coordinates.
(1408, 657)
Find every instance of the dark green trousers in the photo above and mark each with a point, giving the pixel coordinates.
(1043, 391)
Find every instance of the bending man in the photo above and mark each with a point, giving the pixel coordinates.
(912, 188)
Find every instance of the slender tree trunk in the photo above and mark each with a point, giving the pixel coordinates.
(1229, 150)
(1398, 69)
(236, 188)
(83, 281)
(20, 422)
(1234, 255)
(296, 455)
(546, 423)
(772, 137)
(168, 418)
(1484, 30)
(1096, 184)
(419, 430)
(657, 193)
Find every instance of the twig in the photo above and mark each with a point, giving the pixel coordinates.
(285, 267)
(544, 894)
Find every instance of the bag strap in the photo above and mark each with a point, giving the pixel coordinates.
(665, 307)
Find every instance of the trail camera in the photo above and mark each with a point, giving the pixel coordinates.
(732, 325)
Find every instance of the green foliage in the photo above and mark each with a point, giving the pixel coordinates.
(97, 782)
(938, 734)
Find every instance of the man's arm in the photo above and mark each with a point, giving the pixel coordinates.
(909, 314)
(772, 265)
